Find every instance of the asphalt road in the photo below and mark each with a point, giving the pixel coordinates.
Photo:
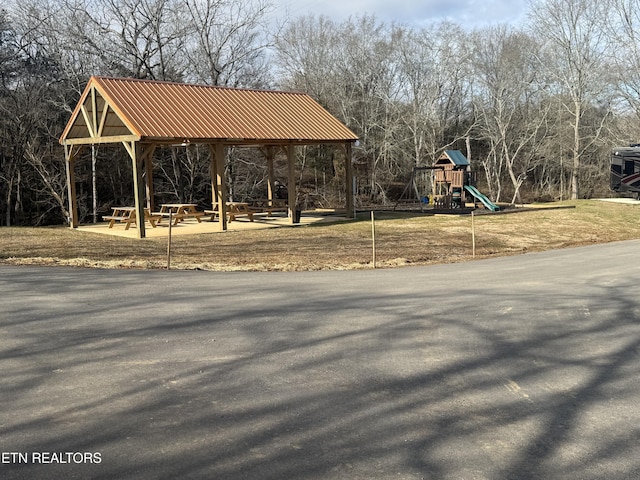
(513, 368)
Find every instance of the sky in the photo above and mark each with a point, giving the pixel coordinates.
(469, 13)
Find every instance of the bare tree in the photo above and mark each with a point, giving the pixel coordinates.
(369, 97)
(625, 30)
(9, 70)
(305, 57)
(352, 68)
(574, 32)
(29, 78)
(509, 103)
(228, 41)
(131, 38)
(435, 69)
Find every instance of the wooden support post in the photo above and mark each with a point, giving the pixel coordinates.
(148, 164)
(213, 171)
(291, 185)
(348, 170)
(218, 154)
(71, 153)
(135, 152)
(270, 173)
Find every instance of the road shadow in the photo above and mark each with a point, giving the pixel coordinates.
(307, 377)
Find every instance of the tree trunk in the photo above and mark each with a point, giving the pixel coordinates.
(94, 185)
(575, 170)
(8, 194)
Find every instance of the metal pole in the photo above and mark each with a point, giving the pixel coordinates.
(169, 240)
(473, 235)
(373, 237)
(354, 197)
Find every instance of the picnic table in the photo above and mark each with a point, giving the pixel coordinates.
(269, 205)
(127, 215)
(238, 209)
(234, 210)
(179, 211)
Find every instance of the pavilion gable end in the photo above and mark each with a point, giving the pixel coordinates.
(96, 120)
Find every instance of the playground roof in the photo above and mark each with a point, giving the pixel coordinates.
(457, 157)
(114, 109)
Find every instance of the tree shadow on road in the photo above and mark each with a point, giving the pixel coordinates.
(347, 384)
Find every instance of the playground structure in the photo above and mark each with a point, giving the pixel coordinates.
(450, 181)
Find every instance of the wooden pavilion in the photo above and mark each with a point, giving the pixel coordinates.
(144, 115)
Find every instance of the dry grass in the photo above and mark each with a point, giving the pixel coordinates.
(402, 239)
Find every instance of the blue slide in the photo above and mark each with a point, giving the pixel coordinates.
(476, 193)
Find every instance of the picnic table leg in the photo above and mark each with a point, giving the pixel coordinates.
(130, 220)
(148, 216)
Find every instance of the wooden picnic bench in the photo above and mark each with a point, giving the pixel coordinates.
(269, 205)
(213, 213)
(248, 209)
(238, 209)
(127, 215)
(234, 210)
(179, 211)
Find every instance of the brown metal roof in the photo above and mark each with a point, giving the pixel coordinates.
(165, 111)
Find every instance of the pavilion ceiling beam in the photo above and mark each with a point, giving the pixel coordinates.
(93, 140)
(94, 111)
(88, 121)
(103, 119)
(72, 151)
(91, 120)
(130, 147)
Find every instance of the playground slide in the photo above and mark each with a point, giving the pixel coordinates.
(476, 193)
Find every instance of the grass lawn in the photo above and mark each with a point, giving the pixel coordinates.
(401, 239)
